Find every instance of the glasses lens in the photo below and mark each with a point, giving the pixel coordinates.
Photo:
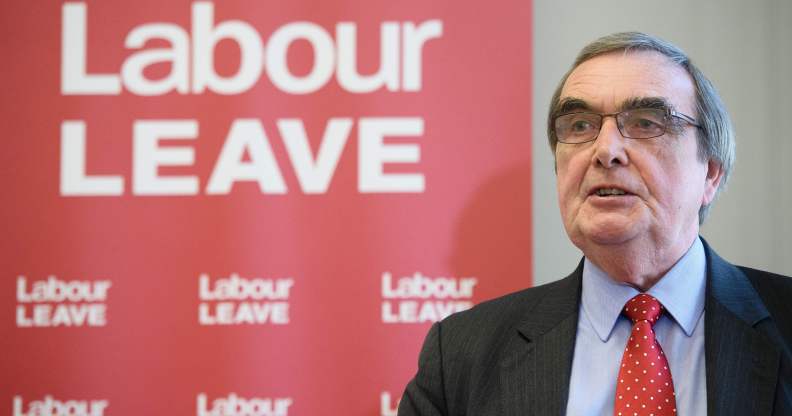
(577, 127)
(643, 123)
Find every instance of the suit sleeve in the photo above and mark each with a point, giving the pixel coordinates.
(425, 393)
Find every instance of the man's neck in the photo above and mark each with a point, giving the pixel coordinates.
(638, 265)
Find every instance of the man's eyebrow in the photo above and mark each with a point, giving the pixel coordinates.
(570, 104)
(645, 102)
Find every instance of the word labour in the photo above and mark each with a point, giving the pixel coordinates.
(54, 302)
(233, 405)
(50, 406)
(418, 298)
(236, 300)
(247, 156)
(191, 56)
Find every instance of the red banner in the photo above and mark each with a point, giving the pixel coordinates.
(242, 207)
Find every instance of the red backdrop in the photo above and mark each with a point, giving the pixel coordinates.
(212, 208)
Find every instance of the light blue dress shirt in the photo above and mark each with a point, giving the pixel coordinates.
(602, 333)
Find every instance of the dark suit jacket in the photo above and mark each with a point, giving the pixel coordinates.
(513, 355)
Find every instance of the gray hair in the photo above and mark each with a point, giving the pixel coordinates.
(716, 135)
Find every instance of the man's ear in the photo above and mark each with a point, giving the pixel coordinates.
(712, 181)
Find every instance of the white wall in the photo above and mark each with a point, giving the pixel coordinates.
(745, 49)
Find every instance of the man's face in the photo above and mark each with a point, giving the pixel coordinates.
(664, 181)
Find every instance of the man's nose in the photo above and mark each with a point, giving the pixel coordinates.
(609, 148)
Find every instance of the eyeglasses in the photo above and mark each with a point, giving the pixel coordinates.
(641, 123)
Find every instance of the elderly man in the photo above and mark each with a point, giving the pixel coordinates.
(652, 321)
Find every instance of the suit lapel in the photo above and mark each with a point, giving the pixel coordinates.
(535, 371)
(741, 362)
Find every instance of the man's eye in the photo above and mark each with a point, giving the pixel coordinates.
(646, 124)
(640, 127)
(581, 126)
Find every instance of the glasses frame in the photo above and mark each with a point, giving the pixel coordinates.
(668, 114)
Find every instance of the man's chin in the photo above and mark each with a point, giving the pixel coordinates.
(610, 232)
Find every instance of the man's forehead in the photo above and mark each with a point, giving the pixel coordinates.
(607, 81)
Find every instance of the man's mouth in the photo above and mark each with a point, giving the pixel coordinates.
(610, 192)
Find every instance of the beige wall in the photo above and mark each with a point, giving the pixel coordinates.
(745, 48)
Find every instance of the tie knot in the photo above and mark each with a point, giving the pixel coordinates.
(643, 307)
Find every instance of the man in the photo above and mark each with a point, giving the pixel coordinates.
(652, 321)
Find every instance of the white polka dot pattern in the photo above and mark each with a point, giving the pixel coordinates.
(644, 386)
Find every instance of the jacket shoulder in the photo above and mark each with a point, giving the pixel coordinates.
(475, 344)
(507, 310)
(776, 293)
(764, 279)
(482, 332)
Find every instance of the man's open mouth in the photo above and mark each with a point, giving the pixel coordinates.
(610, 192)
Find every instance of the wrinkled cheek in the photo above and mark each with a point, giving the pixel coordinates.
(564, 199)
(569, 207)
(570, 170)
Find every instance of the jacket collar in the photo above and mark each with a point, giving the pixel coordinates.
(730, 287)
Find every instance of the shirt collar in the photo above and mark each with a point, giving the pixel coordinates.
(681, 291)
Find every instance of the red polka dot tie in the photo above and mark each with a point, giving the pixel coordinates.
(644, 386)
